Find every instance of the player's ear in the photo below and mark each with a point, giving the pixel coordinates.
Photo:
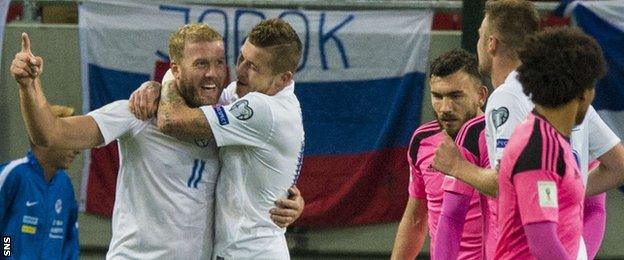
(285, 78)
(483, 94)
(175, 69)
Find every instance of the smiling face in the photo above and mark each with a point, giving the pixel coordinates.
(456, 98)
(254, 69)
(201, 72)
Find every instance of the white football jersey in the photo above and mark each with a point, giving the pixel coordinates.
(165, 189)
(260, 141)
(508, 106)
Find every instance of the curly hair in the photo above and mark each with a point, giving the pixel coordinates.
(191, 33)
(453, 61)
(282, 42)
(559, 65)
(512, 20)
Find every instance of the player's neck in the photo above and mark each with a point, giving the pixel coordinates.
(561, 118)
(501, 67)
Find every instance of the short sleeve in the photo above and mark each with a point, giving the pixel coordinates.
(115, 120)
(601, 137)
(537, 195)
(505, 110)
(247, 121)
(416, 186)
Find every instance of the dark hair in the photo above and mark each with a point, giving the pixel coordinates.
(559, 65)
(281, 40)
(512, 21)
(453, 61)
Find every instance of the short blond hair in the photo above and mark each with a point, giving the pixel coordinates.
(194, 32)
(62, 111)
(513, 21)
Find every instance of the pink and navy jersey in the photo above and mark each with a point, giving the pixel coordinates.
(539, 180)
(472, 144)
(426, 183)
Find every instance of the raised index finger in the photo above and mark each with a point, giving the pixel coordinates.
(25, 43)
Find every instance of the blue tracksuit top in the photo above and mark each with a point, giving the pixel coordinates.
(40, 217)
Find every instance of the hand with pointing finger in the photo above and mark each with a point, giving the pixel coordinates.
(26, 67)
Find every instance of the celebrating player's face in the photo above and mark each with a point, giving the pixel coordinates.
(456, 99)
(254, 70)
(201, 73)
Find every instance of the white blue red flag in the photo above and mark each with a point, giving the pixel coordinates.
(360, 84)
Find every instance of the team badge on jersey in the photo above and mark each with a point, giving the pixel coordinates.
(241, 110)
(58, 206)
(202, 142)
(547, 192)
(499, 116)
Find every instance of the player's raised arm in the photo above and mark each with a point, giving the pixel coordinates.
(44, 128)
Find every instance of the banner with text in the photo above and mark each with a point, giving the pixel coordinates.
(360, 83)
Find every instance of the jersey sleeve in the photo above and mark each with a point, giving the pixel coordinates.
(9, 185)
(416, 185)
(505, 111)
(537, 195)
(601, 137)
(115, 120)
(248, 121)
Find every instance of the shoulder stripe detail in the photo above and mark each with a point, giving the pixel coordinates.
(468, 136)
(420, 134)
(532, 155)
(561, 170)
(5, 172)
(431, 126)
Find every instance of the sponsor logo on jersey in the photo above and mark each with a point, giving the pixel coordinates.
(221, 115)
(501, 143)
(31, 203)
(499, 116)
(241, 110)
(27, 229)
(30, 220)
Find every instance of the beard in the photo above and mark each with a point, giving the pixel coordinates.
(458, 119)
